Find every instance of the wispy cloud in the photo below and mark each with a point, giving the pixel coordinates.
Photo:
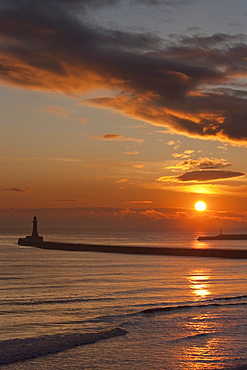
(121, 181)
(16, 190)
(117, 137)
(56, 110)
(139, 202)
(82, 120)
(174, 144)
(185, 154)
(138, 165)
(132, 153)
(60, 159)
(68, 200)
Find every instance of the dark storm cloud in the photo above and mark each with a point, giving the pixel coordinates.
(194, 85)
(207, 175)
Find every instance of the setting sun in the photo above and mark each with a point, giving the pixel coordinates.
(200, 206)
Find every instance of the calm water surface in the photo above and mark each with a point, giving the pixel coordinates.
(141, 312)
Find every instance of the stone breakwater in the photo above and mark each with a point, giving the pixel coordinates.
(190, 252)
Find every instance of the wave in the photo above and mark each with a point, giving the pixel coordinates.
(193, 337)
(52, 301)
(208, 303)
(230, 298)
(15, 350)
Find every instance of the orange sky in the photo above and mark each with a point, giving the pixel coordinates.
(130, 105)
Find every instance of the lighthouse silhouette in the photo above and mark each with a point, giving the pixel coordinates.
(33, 239)
(35, 236)
(35, 228)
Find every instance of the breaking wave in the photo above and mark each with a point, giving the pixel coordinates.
(15, 350)
(193, 337)
(216, 302)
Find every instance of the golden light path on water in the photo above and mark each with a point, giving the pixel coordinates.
(204, 351)
(199, 283)
(203, 356)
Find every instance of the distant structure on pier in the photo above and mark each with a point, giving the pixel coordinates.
(222, 236)
(34, 238)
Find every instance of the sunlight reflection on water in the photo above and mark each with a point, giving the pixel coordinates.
(199, 280)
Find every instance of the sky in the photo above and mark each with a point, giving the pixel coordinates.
(123, 113)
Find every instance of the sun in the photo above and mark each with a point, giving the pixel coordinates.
(200, 206)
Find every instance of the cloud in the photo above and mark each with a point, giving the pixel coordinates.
(193, 85)
(16, 190)
(137, 165)
(57, 110)
(117, 137)
(173, 143)
(126, 213)
(209, 175)
(109, 137)
(82, 120)
(120, 181)
(139, 202)
(185, 154)
(58, 159)
(68, 200)
(201, 163)
(202, 176)
(132, 153)
(141, 219)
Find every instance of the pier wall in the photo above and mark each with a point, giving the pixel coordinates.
(192, 252)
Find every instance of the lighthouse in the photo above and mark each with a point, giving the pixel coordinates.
(35, 228)
(34, 238)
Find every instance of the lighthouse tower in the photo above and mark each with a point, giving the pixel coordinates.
(35, 236)
(33, 239)
(35, 228)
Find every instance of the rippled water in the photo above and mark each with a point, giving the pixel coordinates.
(87, 310)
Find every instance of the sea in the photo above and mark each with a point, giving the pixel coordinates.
(90, 310)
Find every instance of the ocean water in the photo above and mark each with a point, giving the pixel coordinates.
(88, 310)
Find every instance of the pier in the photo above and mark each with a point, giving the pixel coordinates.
(37, 241)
